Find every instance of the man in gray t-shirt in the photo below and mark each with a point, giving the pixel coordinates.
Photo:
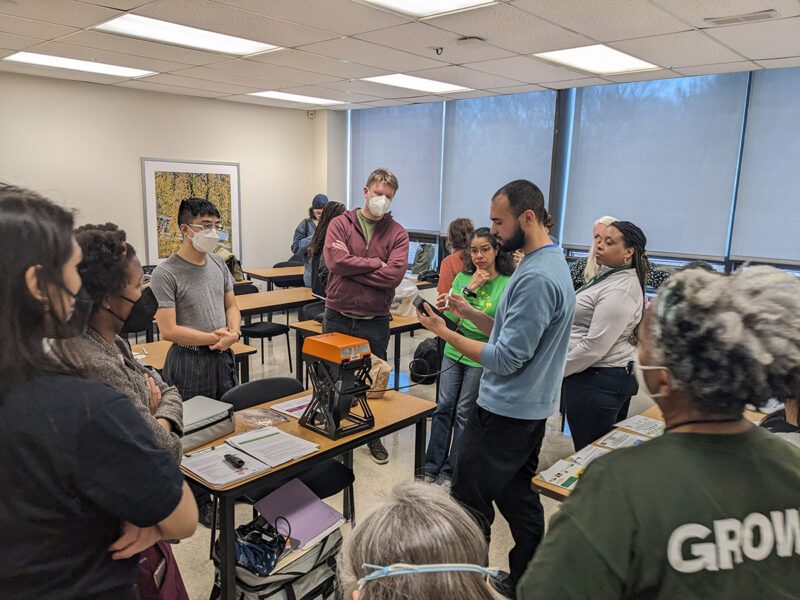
(197, 308)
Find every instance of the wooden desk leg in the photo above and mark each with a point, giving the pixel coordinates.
(269, 285)
(298, 351)
(397, 360)
(419, 447)
(226, 543)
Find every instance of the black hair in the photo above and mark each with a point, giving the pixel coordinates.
(524, 195)
(192, 208)
(503, 262)
(106, 256)
(633, 237)
(33, 232)
(329, 212)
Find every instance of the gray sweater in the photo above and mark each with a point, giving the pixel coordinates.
(91, 357)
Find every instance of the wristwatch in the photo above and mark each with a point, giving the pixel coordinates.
(468, 292)
(238, 333)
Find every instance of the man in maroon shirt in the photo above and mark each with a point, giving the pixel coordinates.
(366, 252)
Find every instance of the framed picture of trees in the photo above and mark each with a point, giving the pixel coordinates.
(166, 183)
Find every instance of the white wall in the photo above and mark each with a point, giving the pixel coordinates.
(80, 144)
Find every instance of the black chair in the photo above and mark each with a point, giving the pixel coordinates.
(312, 311)
(326, 479)
(262, 329)
(287, 282)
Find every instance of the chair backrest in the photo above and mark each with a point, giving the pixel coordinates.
(310, 311)
(259, 391)
(287, 263)
(244, 288)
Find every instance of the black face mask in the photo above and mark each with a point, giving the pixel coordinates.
(142, 312)
(79, 320)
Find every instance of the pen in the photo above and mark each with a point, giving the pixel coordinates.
(203, 451)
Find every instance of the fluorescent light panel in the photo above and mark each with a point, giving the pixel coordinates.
(59, 62)
(598, 59)
(296, 98)
(428, 8)
(417, 83)
(181, 35)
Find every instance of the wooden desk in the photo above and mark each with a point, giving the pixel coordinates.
(276, 274)
(397, 327)
(157, 354)
(559, 493)
(393, 412)
(274, 301)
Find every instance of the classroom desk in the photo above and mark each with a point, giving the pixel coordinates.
(274, 301)
(157, 354)
(277, 274)
(559, 493)
(397, 327)
(395, 411)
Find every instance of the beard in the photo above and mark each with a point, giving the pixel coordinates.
(515, 242)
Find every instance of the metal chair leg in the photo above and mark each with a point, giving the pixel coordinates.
(215, 505)
(262, 350)
(289, 351)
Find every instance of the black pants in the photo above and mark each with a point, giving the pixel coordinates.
(200, 372)
(497, 458)
(595, 399)
(374, 330)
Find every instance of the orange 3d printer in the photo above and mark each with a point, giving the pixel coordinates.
(338, 366)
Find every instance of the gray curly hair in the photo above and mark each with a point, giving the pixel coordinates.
(730, 340)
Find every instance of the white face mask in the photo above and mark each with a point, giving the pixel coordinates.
(638, 371)
(205, 240)
(379, 205)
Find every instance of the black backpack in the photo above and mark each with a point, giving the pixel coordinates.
(427, 360)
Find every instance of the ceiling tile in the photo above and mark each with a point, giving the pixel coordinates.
(420, 39)
(282, 75)
(118, 4)
(297, 59)
(29, 27)
(574, 83)
(56, 73)
(767, 39)
(63, 12)
(684, 49)
(378, 103)
(209, 74)
(508, 27)
(212, 16)
(366, 53)
(17, 42)
(198, 84)
(519, 89)
(372, 89)
(331, 94)
(477, 80)
(343, 107)
(108, 57)
(694, 12)
(643, 76)
(468, 95)
(426, 99)
(607, 20)
(342, 16)
(126, 45)
(731, 67)
(524, 68)
(145, 84)
(270, 102)
(780, 63)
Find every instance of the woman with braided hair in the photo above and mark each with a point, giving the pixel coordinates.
(709, 509)
(598, 380)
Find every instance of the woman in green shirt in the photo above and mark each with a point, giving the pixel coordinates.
(485, 275)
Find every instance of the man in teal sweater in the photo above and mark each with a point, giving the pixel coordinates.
(523, 364)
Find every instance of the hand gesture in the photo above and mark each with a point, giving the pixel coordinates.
(155, 394)
(133, 540)
(433, 323)
(460, 307)
(226, 339)
(518, 256)
(479, 277)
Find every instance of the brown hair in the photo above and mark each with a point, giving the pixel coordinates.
(384, 175)
(459, 234)
(331, 210)
(417, 524)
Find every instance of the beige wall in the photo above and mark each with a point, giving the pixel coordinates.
(80, 144)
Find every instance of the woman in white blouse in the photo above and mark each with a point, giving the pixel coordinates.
(599, 382)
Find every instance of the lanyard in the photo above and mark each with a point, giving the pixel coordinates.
(595, 280)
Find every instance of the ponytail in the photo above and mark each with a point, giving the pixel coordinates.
(633, 237)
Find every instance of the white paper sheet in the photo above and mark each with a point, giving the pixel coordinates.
(643, 425)
(620, 439)
(588, 454)
(563, 473)
(272, 446)
(293, 408)
(210, 465)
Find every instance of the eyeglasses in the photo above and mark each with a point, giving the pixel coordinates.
(207, 227)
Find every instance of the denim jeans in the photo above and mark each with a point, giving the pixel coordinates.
(458, 392)
(374, 330)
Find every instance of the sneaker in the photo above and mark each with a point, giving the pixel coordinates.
(430, 478)
(444, 483)
(206, 511)
(378, 452)
(503, 585)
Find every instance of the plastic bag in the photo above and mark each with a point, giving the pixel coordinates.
(255, 418)
(403, 303)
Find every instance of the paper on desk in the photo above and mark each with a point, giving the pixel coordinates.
(293, 408)
(563, 474)
(587, 455)
(619, 439)
(210, 465)
(139, 356)
(644, 425)
(272, 446)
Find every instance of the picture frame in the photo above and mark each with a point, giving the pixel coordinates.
(166, 182)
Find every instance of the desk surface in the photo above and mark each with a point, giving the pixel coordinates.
(274, 272)
(157, 352)
(397, 322)
(392, 409)
(275, 298)
(560, 494)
